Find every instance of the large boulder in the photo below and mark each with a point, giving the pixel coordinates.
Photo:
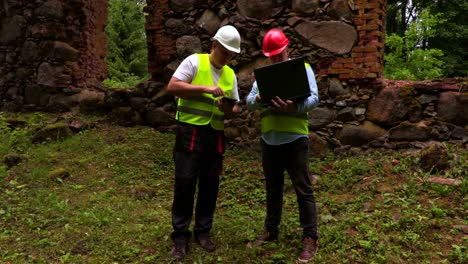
(209, 22)
(393, 105)
(305, 7)
(188, 45)
(407, 131)
(318, 147)
(180, 6)
(360, 135)
(335, 36)
(434, 158)
(340, 10)
(51, 9)
(52, 132)
(320, 117)
(61, 52)
(11, 29)
(257, 9)
(453, 108)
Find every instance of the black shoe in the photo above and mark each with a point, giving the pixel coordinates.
(206, 243)
(179, 249)
(265, 236)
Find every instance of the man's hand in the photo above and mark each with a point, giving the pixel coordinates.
(216, 91)
(258, 98)
(227, 106)
(186, 90)
(285, 106)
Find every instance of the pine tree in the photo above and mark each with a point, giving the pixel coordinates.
(126, 41)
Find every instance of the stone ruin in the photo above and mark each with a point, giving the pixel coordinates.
(51, 52)
(52, 59)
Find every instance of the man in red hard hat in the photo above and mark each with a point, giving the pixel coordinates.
(285, 147)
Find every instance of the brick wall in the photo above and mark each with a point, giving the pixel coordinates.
(161, 47)
(366, 58)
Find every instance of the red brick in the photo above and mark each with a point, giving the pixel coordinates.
(357, 54)
(377, 1)
(376, 11)
(363, 60)
(368, 16)
(359, 22)
(373, 5)
(374, 22)
(364, 49)
(368, 6)
(345, 60)
(344, 76)
(336, 65)
(358, 75)
(371, 59)
(375, 33)
(368, 27)
(372, 64)
(359, 71)
(339, 71)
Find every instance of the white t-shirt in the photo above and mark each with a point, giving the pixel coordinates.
(189, 68)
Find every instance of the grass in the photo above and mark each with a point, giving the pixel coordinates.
(371, 210)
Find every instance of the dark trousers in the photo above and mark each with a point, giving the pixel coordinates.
(293, 158)
(198, 155)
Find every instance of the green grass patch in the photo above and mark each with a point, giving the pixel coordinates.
(371, 210)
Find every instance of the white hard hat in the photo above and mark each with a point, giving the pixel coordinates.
(229, 37)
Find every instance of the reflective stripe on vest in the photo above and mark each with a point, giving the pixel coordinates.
(284, 122)
(202, 109)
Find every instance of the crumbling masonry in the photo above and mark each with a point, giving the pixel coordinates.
(52, 58)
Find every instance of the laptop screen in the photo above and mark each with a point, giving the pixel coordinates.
(286, 79)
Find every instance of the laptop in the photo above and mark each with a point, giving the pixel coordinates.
(286, 79)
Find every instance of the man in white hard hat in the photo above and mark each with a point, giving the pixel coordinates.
(207, 90)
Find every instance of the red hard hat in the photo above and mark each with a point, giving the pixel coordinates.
(274, 42)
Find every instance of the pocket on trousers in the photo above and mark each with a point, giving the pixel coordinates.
(187, 138)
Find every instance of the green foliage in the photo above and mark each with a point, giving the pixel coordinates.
(124, 81)
(126, 40)
(450, 34)
(408, 58)
(15, 139)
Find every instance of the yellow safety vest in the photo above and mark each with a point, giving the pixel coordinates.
(202, 109)
(274, 120)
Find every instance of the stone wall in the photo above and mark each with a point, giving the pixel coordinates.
(397, 115)
(343, 40)
(51, 53)
(340, 38)
(52, 58)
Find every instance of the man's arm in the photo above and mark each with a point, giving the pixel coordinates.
(253, 98)
(183, 90)
(310, 102)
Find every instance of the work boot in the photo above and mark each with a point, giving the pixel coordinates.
(309, 249)
(265, 236)
(179, 249)
(205, 242)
